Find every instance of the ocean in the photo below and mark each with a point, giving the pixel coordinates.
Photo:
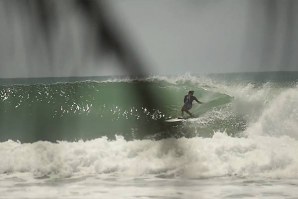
(107, 137)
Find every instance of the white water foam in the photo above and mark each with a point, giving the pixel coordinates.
(280, 116)
(221, 155)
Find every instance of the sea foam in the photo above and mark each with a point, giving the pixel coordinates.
(221, 155)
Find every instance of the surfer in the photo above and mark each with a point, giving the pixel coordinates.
(188, 103)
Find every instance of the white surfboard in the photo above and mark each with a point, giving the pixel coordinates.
(190, 119)
(176, 120)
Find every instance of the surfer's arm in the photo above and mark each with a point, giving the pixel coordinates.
(198, 101)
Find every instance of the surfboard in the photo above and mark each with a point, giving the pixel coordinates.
(180, 119)
(175, 120)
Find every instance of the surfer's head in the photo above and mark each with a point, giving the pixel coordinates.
(190, 92)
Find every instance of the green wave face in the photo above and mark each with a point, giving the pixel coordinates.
(87, 110)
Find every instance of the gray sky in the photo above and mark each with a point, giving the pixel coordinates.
(171, 37)
(213, 36)
(188, 36)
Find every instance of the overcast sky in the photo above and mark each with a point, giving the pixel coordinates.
(188, 36)
(213, 36)
(171, 37)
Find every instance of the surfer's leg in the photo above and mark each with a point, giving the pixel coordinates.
(189, 113)
(186, 109)
(182, 110)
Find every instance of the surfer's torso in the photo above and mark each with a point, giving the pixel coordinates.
(188, 99)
